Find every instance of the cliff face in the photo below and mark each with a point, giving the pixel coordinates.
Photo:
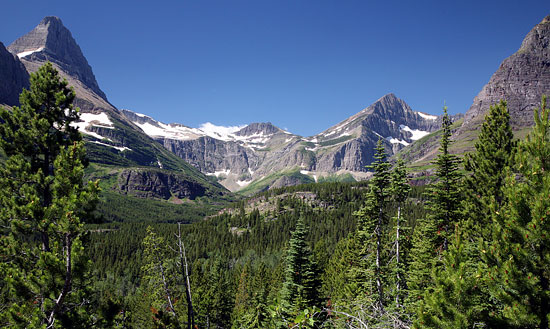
(257, 150)
(112, 138)
(521, 80)
(13, 77)
(51, 41)
(157, 184)
(210, 155)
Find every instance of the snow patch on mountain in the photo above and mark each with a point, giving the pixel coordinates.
(416, 133)
(220, 132)
(90, 120)
(27, 53)
(219, 173)
(123, 148)
(396, 141)
(427, 116)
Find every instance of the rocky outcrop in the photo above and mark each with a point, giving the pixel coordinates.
(286, 181)
(51, 41)
(157, 184)
(521, 80)
(13, 77)
(211, 155)
(260, 149)
(264, 128)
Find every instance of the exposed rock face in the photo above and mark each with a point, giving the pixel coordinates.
(265, 128)
(210, 155)
(157, 184)
(260, 149)
(286, 181)
(13, 77)
(112, 138)
(51, 41)
(521, 80)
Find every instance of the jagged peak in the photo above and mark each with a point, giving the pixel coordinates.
(52, 21)
(538, 38)
(51, 41)
(258, 127)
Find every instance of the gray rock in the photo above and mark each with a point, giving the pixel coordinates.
(157, 184)
(58, 46)
(13, 77)
(521, 80)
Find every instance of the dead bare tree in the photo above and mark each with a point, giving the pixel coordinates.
(185, 276)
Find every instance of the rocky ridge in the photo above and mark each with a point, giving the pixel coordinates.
(253, 152)
(521, 80)
(111, 138)
(13, 77)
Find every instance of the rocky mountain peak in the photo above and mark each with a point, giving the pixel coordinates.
(521, 80)
(267, 128)
(52, 41)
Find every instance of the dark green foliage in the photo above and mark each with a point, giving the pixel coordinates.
(44, 204)
(431, 235)
(367, 274)
(400, 189)
(518, 256)
(301, 277)
(493, 154)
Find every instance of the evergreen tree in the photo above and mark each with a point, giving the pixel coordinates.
(450, 304)
(431, 236)
(365, 289)
(399, 191)
(159, 279)
(44, 204)
(301, 278)
(518, 257)
(493, 153)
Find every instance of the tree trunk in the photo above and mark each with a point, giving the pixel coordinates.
(68, 280)
(398, 286)
(185, 275)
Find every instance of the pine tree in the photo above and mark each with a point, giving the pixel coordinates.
(518, 257)
(460, 297)
(431, 236)
(493, 153)
(367, 277)
(450, 304)
(158, 278)
(399, 191)
(44, 204)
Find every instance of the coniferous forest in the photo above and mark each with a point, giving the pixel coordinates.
(469, 250)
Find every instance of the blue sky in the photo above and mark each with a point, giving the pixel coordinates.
(303, 65)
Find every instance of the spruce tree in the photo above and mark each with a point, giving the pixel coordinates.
(43, 205)
(399, 192)
(518, 256)
(367, 277)
(302, 279)
(450, 304)
(431, 236)
(494, 152)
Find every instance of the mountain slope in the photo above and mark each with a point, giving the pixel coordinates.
(264, 156)
(13, 77)
(115, 145)
(521, 80)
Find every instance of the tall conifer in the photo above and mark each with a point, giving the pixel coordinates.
(431, 236)
(302, 279)
(519, 254)
(43, 205)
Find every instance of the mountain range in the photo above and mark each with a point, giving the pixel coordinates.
(151, 159)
